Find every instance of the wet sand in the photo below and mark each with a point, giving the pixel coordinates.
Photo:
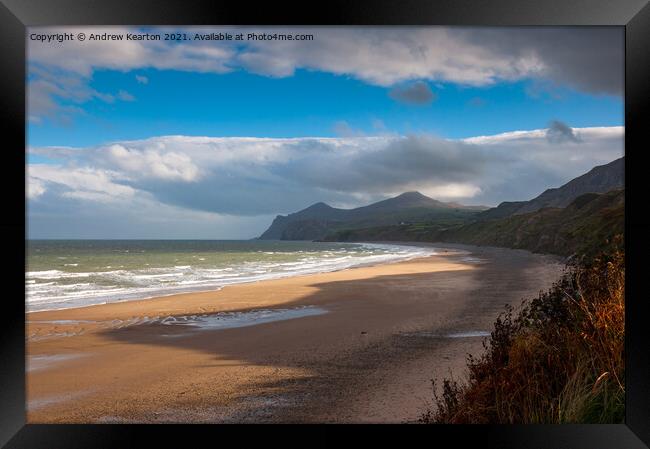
(358, 345)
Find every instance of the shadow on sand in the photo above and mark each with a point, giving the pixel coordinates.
(375, 325)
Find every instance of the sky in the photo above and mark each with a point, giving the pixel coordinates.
(211, 139)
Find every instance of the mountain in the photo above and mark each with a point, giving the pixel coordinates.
(600, 179)
(503, 210)
(585, 225)
(404, 201)
(583, 213)
(320, 219)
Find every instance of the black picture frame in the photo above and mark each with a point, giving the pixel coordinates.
(634, 15)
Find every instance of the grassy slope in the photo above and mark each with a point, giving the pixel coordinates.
(559, 360)
(320, 219)
(590, 218)
(308, 228)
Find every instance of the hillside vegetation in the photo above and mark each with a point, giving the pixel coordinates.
(600, 179)
(413, 216)
(559, 360)
(588, 220)
(320, 219)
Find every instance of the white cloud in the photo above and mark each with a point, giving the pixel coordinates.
(257, 176)
(451, 191)
(533, 155)
(77, 182)
(586, 59)
(153, 163)
(35, 187)
(593, 133)
(215, 187)
(388, 55)
(84, 57)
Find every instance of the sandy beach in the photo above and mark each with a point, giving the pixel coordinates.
(357, 345)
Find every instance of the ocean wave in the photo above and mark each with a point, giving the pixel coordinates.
(55, 289)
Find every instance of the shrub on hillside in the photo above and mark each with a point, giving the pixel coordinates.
(559, 360)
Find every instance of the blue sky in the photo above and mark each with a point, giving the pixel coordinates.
(209, 139)
(311, 103)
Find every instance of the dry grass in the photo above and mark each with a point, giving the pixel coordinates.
(559, 360)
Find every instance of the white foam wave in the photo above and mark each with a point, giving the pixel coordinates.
(56, 289)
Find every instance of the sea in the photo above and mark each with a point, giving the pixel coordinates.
(64, 274)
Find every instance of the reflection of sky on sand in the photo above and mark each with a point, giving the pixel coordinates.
(35, 404)
(231, 320)
(467, 334)
(217, 321)
(41, 362)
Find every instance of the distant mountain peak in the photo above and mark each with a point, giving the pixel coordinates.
(319, 205)
(412, 194)
(600, 179)
(317, 220)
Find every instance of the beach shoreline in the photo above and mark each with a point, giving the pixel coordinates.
(180, 296)
(354, 345)
(173, 290)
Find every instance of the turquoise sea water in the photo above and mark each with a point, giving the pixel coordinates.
(75, 273)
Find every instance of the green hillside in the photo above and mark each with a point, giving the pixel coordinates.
(320, 219)
(584, 224)
(600, 179)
